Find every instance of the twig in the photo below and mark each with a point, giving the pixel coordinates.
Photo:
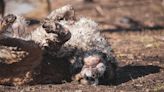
(99, 10)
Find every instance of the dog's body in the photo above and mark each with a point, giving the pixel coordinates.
(86, 38)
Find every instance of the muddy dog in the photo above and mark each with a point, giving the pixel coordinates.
(89, 53)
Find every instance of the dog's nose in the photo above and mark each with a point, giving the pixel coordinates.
(90, 79)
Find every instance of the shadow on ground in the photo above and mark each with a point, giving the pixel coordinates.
(130, 72)
(52, 75)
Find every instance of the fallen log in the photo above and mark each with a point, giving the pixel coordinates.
(22, 51)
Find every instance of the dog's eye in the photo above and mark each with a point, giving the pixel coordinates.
(94, 75)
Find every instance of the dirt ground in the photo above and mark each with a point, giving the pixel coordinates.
(138, 45)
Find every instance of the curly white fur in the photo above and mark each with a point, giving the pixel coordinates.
(86, 36)
(85, 32)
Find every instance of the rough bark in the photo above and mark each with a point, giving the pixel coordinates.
(21, 51)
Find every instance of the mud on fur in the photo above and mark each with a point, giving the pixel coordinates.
(86, 41)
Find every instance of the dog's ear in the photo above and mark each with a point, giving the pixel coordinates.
(77, 64)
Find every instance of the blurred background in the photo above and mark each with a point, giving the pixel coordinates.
(113, 12)
(134, 28)
(108, 13)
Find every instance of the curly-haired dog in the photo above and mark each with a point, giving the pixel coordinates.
(86, 38)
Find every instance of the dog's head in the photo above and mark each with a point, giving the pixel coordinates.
(94, 67)
(91, 74)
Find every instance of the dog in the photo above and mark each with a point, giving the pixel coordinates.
(91, 56)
